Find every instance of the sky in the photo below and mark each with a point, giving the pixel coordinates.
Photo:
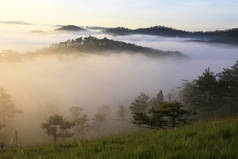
(184, 14)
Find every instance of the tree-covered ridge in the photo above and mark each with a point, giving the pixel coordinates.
(87, 45)
(155, 30)
(70, 28)
(94, 45)
(223, 36)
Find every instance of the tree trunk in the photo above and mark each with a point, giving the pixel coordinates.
(173, 123)
(55, 136)
(16, 138)
(55, 139)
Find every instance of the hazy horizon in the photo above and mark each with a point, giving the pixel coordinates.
(182, 14)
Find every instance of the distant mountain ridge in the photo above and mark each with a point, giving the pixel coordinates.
(70, 28)
(229, 36)
(156, 30)
(168, 31)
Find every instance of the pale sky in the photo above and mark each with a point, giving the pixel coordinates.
(184, 14)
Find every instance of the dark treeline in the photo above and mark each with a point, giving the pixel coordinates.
(213, 95)
(229, 36)
(207, 97)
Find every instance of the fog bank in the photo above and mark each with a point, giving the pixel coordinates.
(49, 85)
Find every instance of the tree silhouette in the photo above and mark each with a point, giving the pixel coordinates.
(58, 127)
(228, 85)
(167, 114)
(7, 108)
(175, 112)
(202, 95)
(140, 104)
(153, 119)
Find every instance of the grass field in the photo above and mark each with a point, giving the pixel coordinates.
(212, 140)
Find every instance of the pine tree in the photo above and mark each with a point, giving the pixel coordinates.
(169, 114)
(140, 104)
(202, 95)
(58, 127)
(228, 85)
(176, 113)
(153, 119)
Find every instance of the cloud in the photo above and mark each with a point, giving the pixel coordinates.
(15, 23)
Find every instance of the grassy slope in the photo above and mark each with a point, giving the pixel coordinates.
(213, 140)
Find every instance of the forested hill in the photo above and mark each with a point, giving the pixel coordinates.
(70, 28)
(156, 30)
(102, 46)
(229, 36)
(86, 46)
(221, 36)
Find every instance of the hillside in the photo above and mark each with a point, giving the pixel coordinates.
(156, 30)
(88, 45)
(229, 36)
(70, 28)
(215, 139)
(105, 46)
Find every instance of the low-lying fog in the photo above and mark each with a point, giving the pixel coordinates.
(50, 85)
